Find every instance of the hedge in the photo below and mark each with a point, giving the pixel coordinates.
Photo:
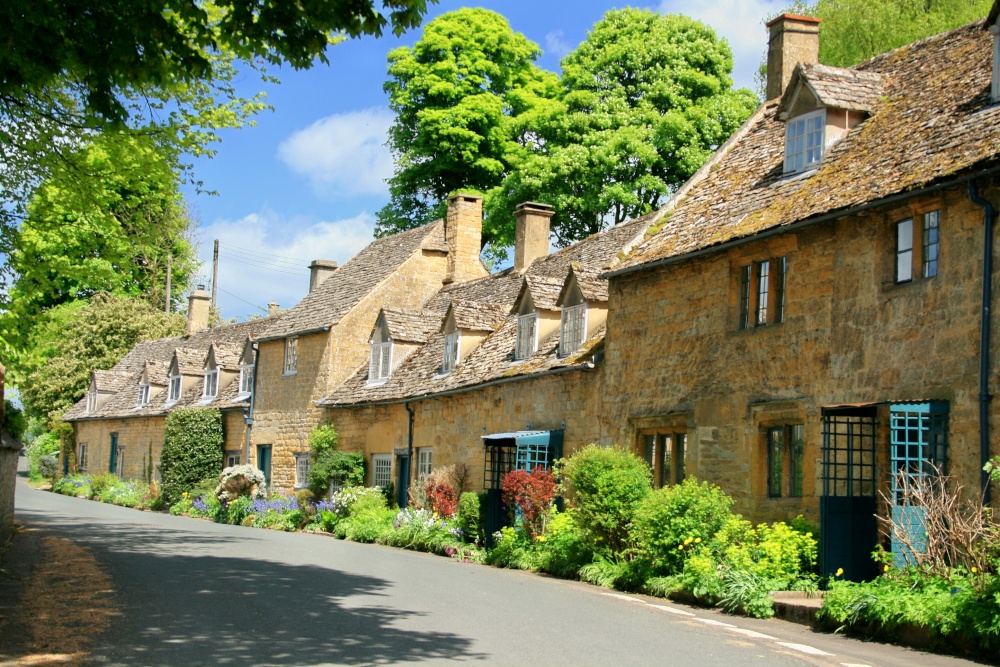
(192, 450)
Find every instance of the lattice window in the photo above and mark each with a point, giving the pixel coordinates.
(246, 379)
(527, 336)
(763, 274)
(849, 453)
(918, 438)
(381, 470)
(302, 465)
(424, 461)
(745, 280)
(211, 384)
(450, 352)
(804, 141)
(932, 242)
(380, 364)
(531, 456)
(574, 329)
(291, 356)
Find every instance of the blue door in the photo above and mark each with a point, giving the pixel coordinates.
(264, 462)
(113, 462)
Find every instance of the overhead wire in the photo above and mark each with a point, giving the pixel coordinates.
(268, 254)
(243, 300)
(240, 253)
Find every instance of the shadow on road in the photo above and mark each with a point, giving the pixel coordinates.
(226, 608)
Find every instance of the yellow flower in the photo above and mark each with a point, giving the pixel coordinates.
(974, 570)
(689, 540)
(680, 546)
(697, 540)
(840, 571)
(886, 568)
(541, 538)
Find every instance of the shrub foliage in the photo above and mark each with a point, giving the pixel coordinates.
(192, 450)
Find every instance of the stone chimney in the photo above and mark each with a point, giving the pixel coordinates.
(793, 39)
(531, 235)
(198, 304)
(320, 270)
(273, 309)
(463, 231)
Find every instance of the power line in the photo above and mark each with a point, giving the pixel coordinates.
(267, 254)
(266, 267)
(249, 258)
(243, 300)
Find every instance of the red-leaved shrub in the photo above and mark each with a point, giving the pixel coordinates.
(529, 496)
(442, 498)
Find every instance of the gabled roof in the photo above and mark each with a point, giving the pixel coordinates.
(155, 372)
(476, 316)
(934, 123)
(335, 296)
(544, 291)
(226, 355)
(408, 326)
(834, 87)
(109, 381)
(592, 286)
(189, 361)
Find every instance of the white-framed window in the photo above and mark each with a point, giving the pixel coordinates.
(291, 356)
(904, 250)
(92, 401)
(423, 461)
(302, 465)
(174, 392)
(804, 141)
(381, 362)
(81, 458)
(211, 383)
(232, 458)
(381, 470)
(143, 397)
(450, 352)
(574, 328)
(527, 336)
(246, 379)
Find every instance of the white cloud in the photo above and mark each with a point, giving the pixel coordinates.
(264, 257)
(741, 23)
(556, 44)
(343, 154)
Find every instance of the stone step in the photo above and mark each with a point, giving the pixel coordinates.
(797, 607)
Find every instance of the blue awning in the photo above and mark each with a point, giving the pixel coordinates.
(513, 435)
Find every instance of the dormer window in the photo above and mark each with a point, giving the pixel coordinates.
(174, 392)
(804, 141)
(527, 336)
(143, 398)
(573, 328)
(451, 342)
(211, 383)
(380, 364)
(92, 401)
(246, 379)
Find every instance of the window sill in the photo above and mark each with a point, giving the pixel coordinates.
(891, 288)
(289, 374)
(777, 326)
(376, 383)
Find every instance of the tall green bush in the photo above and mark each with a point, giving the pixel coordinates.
(607, 485)
(330, 465)
(192, 450)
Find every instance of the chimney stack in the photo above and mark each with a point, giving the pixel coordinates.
(793, 39)
(320, 270)
(273, 309)
(198, 303)
(531, 239)
(463, 232)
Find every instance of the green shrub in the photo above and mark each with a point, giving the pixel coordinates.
(746, 592)
(346, 468)
(562, 549)
(46, 444)
(192, 450)
(99, 483)
(513, 550)
(237, 510)
(48, 466)
(422, 530)
(671, 520)
(471, 509)
(73, 485)
(772, 552)
(615, 573)
(607, 486)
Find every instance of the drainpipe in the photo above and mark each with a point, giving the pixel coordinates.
(409, 443)
(248, 416)
(989, 215)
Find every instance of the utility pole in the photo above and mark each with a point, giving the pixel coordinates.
(215, 271)
(166, 305)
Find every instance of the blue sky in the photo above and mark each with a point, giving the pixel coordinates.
(306, 182)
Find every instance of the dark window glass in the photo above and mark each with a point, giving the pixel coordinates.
(775, 460)
(932, 242)
(763, 276)
(745, 297)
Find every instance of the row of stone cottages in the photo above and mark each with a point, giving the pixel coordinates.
(805, 317)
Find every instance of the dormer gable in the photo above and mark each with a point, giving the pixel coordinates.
(152, 380)
(820, 106)
(397, 333)
(583, 303)
(247, 369)
(537, 313)
(465, 326)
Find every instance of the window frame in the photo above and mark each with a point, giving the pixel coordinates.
(904, 256)
(654, 445)
(303, 462)
(761, 293)
(233, 454)
(424, 461)
(91, 402)
(211, 378)
(786, 473)
(375, 371)
(931, 244)
(246, 373)
(564, 341)
(143, 397)
(452, 350)
(790, 166)
(386, 467)
(171, 396)
(81, 457)
(525, 347)
(291, 359)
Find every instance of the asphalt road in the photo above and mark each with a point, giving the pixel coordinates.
(191, 592)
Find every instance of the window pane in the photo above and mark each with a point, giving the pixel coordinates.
(745, 297)
(648, 446)
(381, 470)
(932, 239)
(775, 461)
(763, 276)
(779, 289)
(680, 451)
(904, 251)
(525, 336)
(666, 446)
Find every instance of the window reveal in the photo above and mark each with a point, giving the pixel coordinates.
(785, 454)
(762, 293)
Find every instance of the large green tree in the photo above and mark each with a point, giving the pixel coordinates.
(115, 238)
(460, 96)
(77, 337)
(646, 100)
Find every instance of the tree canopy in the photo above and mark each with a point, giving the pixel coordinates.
(115, 238)
(80, 336)
(646, 99)
(456, 95)
(640, 106)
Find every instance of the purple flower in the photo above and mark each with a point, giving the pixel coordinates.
(200, 505)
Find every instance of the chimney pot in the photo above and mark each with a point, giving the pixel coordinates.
(531, 233)
(198, 303)
(463, 232)
(320, 270)
(793, 39)
(273, 309)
